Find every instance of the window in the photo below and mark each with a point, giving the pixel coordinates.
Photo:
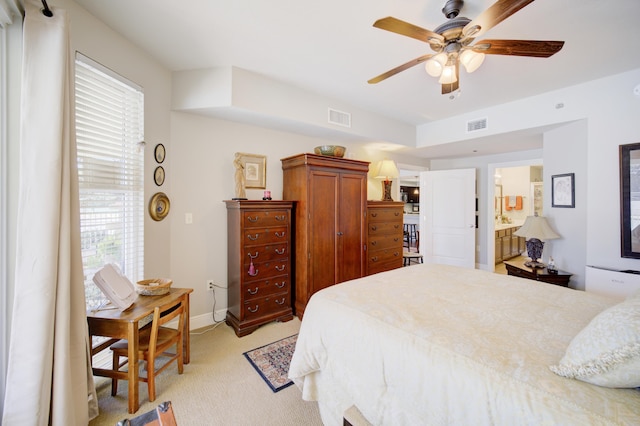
(109, 134)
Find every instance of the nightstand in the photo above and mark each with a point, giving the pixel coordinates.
(517, 269)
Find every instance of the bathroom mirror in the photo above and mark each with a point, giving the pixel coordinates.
(630, 200)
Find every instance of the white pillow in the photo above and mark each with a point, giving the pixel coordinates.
(607, 351)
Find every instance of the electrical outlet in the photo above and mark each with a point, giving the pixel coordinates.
(210, 285)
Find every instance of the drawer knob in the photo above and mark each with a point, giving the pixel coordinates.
(374, 258)
(254, 310)
(281, 268)
(280, 285)
(253, 292)
(374, 228)
(253, 256)
(281, 218)
(280, 302)
(255, 237)
(280, 234)
(280, 251)
(251, 219)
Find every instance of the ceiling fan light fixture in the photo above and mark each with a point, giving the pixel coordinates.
(448, 75)
(435, 64)
(471, 60)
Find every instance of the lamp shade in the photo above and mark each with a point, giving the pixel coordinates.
(471, 60)
(448, 75)
(387, 169)
(435, 64)
(536, 227)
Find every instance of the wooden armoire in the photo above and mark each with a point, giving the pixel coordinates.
(330, 221)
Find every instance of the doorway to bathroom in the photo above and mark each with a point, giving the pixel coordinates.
(515, 191)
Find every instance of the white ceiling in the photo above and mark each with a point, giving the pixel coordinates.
(330, 46)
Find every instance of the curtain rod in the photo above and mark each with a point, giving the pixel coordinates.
(46, 11)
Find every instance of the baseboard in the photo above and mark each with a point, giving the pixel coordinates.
(200, 321)
(206, 320)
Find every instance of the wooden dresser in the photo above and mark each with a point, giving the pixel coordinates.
(258, 263)
(330, 222)
(384, 235)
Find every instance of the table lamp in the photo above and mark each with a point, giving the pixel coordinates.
(388, 169)
(535, 229)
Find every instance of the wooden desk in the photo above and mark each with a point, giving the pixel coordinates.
(117, 325)
(517, 268)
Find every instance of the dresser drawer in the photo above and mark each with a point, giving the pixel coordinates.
(269, 269)
(261, 219)
(256, 236)
(263, 306)
(381, 256)
(266, 287)
(384, 215)
(378, 228)
(385, 241)
(265, 252)
(379, 263)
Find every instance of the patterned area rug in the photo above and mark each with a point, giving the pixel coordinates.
(272, 362)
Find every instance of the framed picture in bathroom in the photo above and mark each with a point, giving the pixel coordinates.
(563, 192)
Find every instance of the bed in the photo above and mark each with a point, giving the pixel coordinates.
(435, 344)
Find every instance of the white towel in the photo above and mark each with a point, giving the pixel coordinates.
(512, 201)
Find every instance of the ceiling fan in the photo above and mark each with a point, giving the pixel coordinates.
(452, 40)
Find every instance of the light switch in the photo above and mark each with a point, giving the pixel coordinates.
(188, 218)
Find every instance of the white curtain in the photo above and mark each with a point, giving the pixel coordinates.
(49, 378)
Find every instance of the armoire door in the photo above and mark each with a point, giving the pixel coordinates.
(350, 259)
(323, 229)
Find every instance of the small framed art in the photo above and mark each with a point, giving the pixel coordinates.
(158, 175)
(563, 190)
(159, 153)
(254, 168)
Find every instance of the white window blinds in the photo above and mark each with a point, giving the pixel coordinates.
(109, 132)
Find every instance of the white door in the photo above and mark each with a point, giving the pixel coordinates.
(448, 217)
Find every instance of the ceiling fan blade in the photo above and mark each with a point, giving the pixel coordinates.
(496, 13)
(398, 69)
(406, 29)
(534, 48)
(452, 87)
(448, 88)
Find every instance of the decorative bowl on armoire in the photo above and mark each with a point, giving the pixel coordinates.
(330, 150)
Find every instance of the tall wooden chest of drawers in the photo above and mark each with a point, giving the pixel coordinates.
(258, 263)
(384, 235)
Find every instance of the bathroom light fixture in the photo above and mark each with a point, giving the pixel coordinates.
(535, 229)
(387, 170)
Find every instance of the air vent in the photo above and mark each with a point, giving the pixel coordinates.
(339, 118)
(475, 125)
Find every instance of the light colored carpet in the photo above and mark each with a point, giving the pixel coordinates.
(218, 387)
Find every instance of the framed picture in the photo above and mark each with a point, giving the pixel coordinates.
(254, 170)
(159, 153)
(563, 190)
(158, 176)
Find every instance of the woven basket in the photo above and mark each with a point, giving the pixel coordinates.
(154, 286)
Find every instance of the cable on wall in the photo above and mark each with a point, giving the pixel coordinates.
(46, 11)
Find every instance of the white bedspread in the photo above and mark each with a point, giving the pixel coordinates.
(435, 344)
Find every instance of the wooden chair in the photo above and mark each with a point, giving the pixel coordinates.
(154, 341)
(409, 256)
